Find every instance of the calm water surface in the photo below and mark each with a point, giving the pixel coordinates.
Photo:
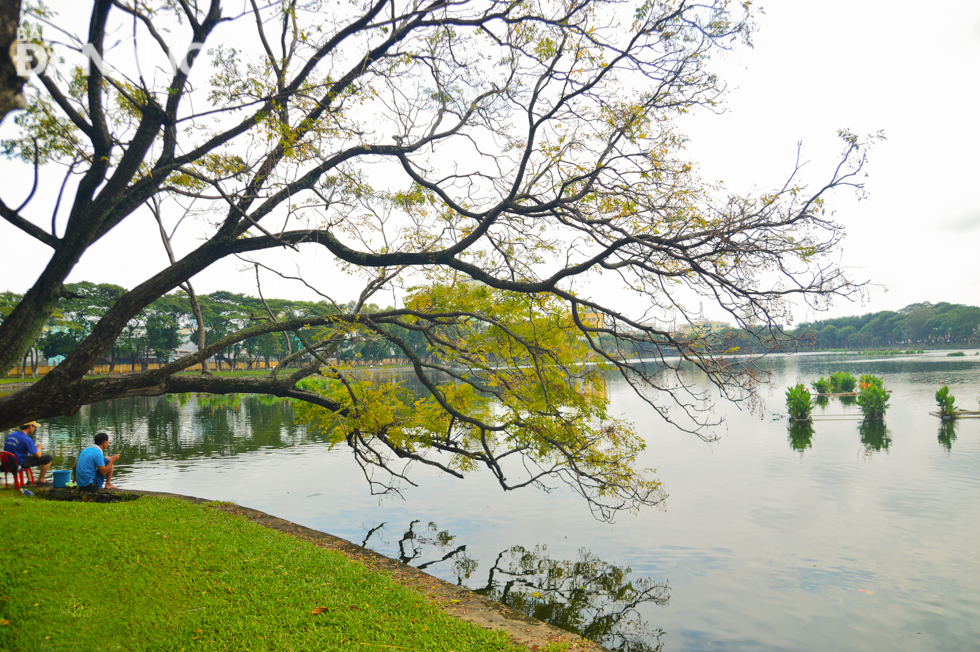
(848, 538)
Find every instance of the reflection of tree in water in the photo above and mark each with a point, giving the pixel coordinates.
(413, 545)
(176, 427)
(848, 400)
(800, 435)
(947, 434)
(874, 436)
(586, 596)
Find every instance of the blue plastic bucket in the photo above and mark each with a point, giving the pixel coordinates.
(61, 478)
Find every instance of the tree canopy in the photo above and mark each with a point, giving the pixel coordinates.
(484, 158)
(926, 323)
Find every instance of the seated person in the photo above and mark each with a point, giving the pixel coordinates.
(92, 467)
(28, 453)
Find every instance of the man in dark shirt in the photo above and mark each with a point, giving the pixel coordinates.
(28, 453)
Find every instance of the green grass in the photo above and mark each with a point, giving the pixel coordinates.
(164, 574)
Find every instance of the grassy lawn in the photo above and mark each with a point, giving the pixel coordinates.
(164, 574)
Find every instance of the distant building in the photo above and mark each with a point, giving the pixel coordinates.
(702, 327)
(594, 319)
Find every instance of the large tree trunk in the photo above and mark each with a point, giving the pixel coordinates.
(11, 84)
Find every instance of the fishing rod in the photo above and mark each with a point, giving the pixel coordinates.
(133, 433)
(139, 425)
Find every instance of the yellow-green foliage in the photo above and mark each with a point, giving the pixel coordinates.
(519, 386)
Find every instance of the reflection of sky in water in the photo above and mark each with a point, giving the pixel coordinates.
(764, 548)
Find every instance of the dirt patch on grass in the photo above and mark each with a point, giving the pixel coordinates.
(70, 494)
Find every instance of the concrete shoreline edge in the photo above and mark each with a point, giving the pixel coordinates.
(455, 600)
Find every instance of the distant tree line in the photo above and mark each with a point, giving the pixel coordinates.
(919, 323)
(922, 324)
(157, 332)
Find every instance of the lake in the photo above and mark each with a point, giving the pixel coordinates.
(849, 538)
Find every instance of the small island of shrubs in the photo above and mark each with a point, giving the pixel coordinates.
(840, 382)
(947, 406)
(799, 402)
(872, 397)
(945, 402)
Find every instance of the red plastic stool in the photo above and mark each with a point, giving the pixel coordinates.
(12, 466)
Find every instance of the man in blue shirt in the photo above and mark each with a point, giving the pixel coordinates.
(93, 467)
(28, 453)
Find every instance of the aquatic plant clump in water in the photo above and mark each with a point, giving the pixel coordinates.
(842, 382)
(821, 386)
(873, 399)
(945, 402)
(867, 379)
(798, 402)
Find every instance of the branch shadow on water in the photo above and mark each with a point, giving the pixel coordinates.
(585, 595)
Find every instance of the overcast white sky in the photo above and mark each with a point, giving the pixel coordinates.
(909, 69)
